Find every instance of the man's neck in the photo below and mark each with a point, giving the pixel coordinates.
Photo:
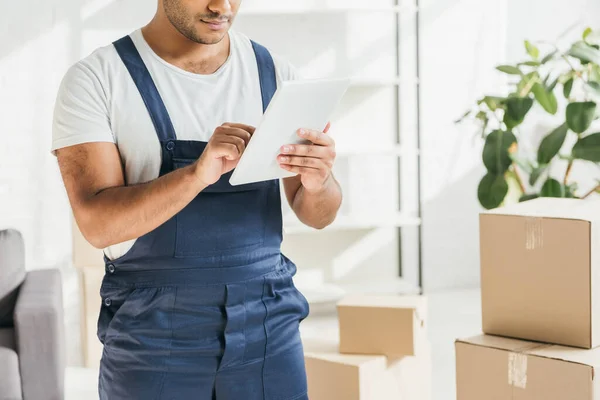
(170, 45)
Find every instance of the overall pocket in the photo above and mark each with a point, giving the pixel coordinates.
(113, 299)
(222, 219)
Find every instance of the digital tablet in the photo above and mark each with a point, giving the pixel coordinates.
(298, 104)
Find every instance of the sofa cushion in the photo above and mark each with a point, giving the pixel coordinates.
(12, 273)
(7, 338)
(10, 379)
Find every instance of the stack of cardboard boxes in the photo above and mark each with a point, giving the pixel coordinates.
(540, 283)
(382, 352)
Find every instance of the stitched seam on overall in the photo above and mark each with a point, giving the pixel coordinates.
(266, 336)
(300, 396)
(164, 376)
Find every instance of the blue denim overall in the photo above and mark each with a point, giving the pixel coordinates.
(203, 307)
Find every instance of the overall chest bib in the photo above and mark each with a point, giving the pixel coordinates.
(204, 306)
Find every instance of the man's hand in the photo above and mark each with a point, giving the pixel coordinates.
(313, 162)
(223, 151)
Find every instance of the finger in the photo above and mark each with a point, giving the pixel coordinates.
(316, 137)
(223, 131)
(327, 127)
(323, 152)
(320, 173)
(237, 141)
(308, 162)
(247, 128)
(228, 150)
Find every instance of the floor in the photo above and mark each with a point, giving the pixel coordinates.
(451, 315)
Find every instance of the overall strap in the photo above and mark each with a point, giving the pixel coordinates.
(266, 73)
(141, 76)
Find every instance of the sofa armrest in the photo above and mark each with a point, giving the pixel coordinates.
(40, 336)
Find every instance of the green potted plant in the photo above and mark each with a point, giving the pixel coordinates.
(540, 81)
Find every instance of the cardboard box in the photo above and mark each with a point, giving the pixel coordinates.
(540, 270)
(492, 367)
(90, 282)
(335, 376)
(393, 326)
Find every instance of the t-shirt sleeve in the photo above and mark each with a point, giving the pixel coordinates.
(81, 111)
(285, 70)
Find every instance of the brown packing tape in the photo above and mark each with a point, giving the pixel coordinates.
(534, 233)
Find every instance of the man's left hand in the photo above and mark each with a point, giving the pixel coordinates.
(313, 162)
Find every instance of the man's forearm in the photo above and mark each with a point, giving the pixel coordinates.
(319, 209)
(118, 214)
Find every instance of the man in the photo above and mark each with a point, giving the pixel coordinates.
(198, 301)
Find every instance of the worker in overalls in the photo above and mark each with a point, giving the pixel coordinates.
(198, 301)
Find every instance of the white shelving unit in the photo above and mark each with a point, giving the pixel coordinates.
(345, 222)
(407, 216)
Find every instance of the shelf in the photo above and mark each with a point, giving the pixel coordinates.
(326, 10)
(394, 150)
(293, 225)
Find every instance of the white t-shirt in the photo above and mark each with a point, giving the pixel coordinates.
(99, 102)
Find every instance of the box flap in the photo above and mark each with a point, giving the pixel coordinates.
(402, 301)
(328, 350)
(501, 343)
(585, 210)
(570, 354)
(544, 350)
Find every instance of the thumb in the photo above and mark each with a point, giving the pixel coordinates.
(327, 127)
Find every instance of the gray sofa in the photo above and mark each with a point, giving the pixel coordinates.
(32, 338)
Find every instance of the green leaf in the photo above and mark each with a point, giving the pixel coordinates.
(588, 148)
(587, 32)
(580, 116)
(527, 82)
(527, 197)
(531, 63)
(548, 57)
(492, 190)
(585, 53)
(545, 98)
(568, 87)
(553, 84)
(495, 151)
(532, 50)
(551, 144)
(594, 87)
(494, 102)
(509, 69)
(536, 173)
(595, 73)
(516, 110)
(552, 188)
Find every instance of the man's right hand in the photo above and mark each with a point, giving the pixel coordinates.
(223, 151)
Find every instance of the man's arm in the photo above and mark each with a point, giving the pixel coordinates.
(314, 194)
(107, 211)
(315, 209)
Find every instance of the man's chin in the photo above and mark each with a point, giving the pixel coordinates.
(211, 37)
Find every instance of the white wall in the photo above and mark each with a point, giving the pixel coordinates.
(41, 39)
(462, 42)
